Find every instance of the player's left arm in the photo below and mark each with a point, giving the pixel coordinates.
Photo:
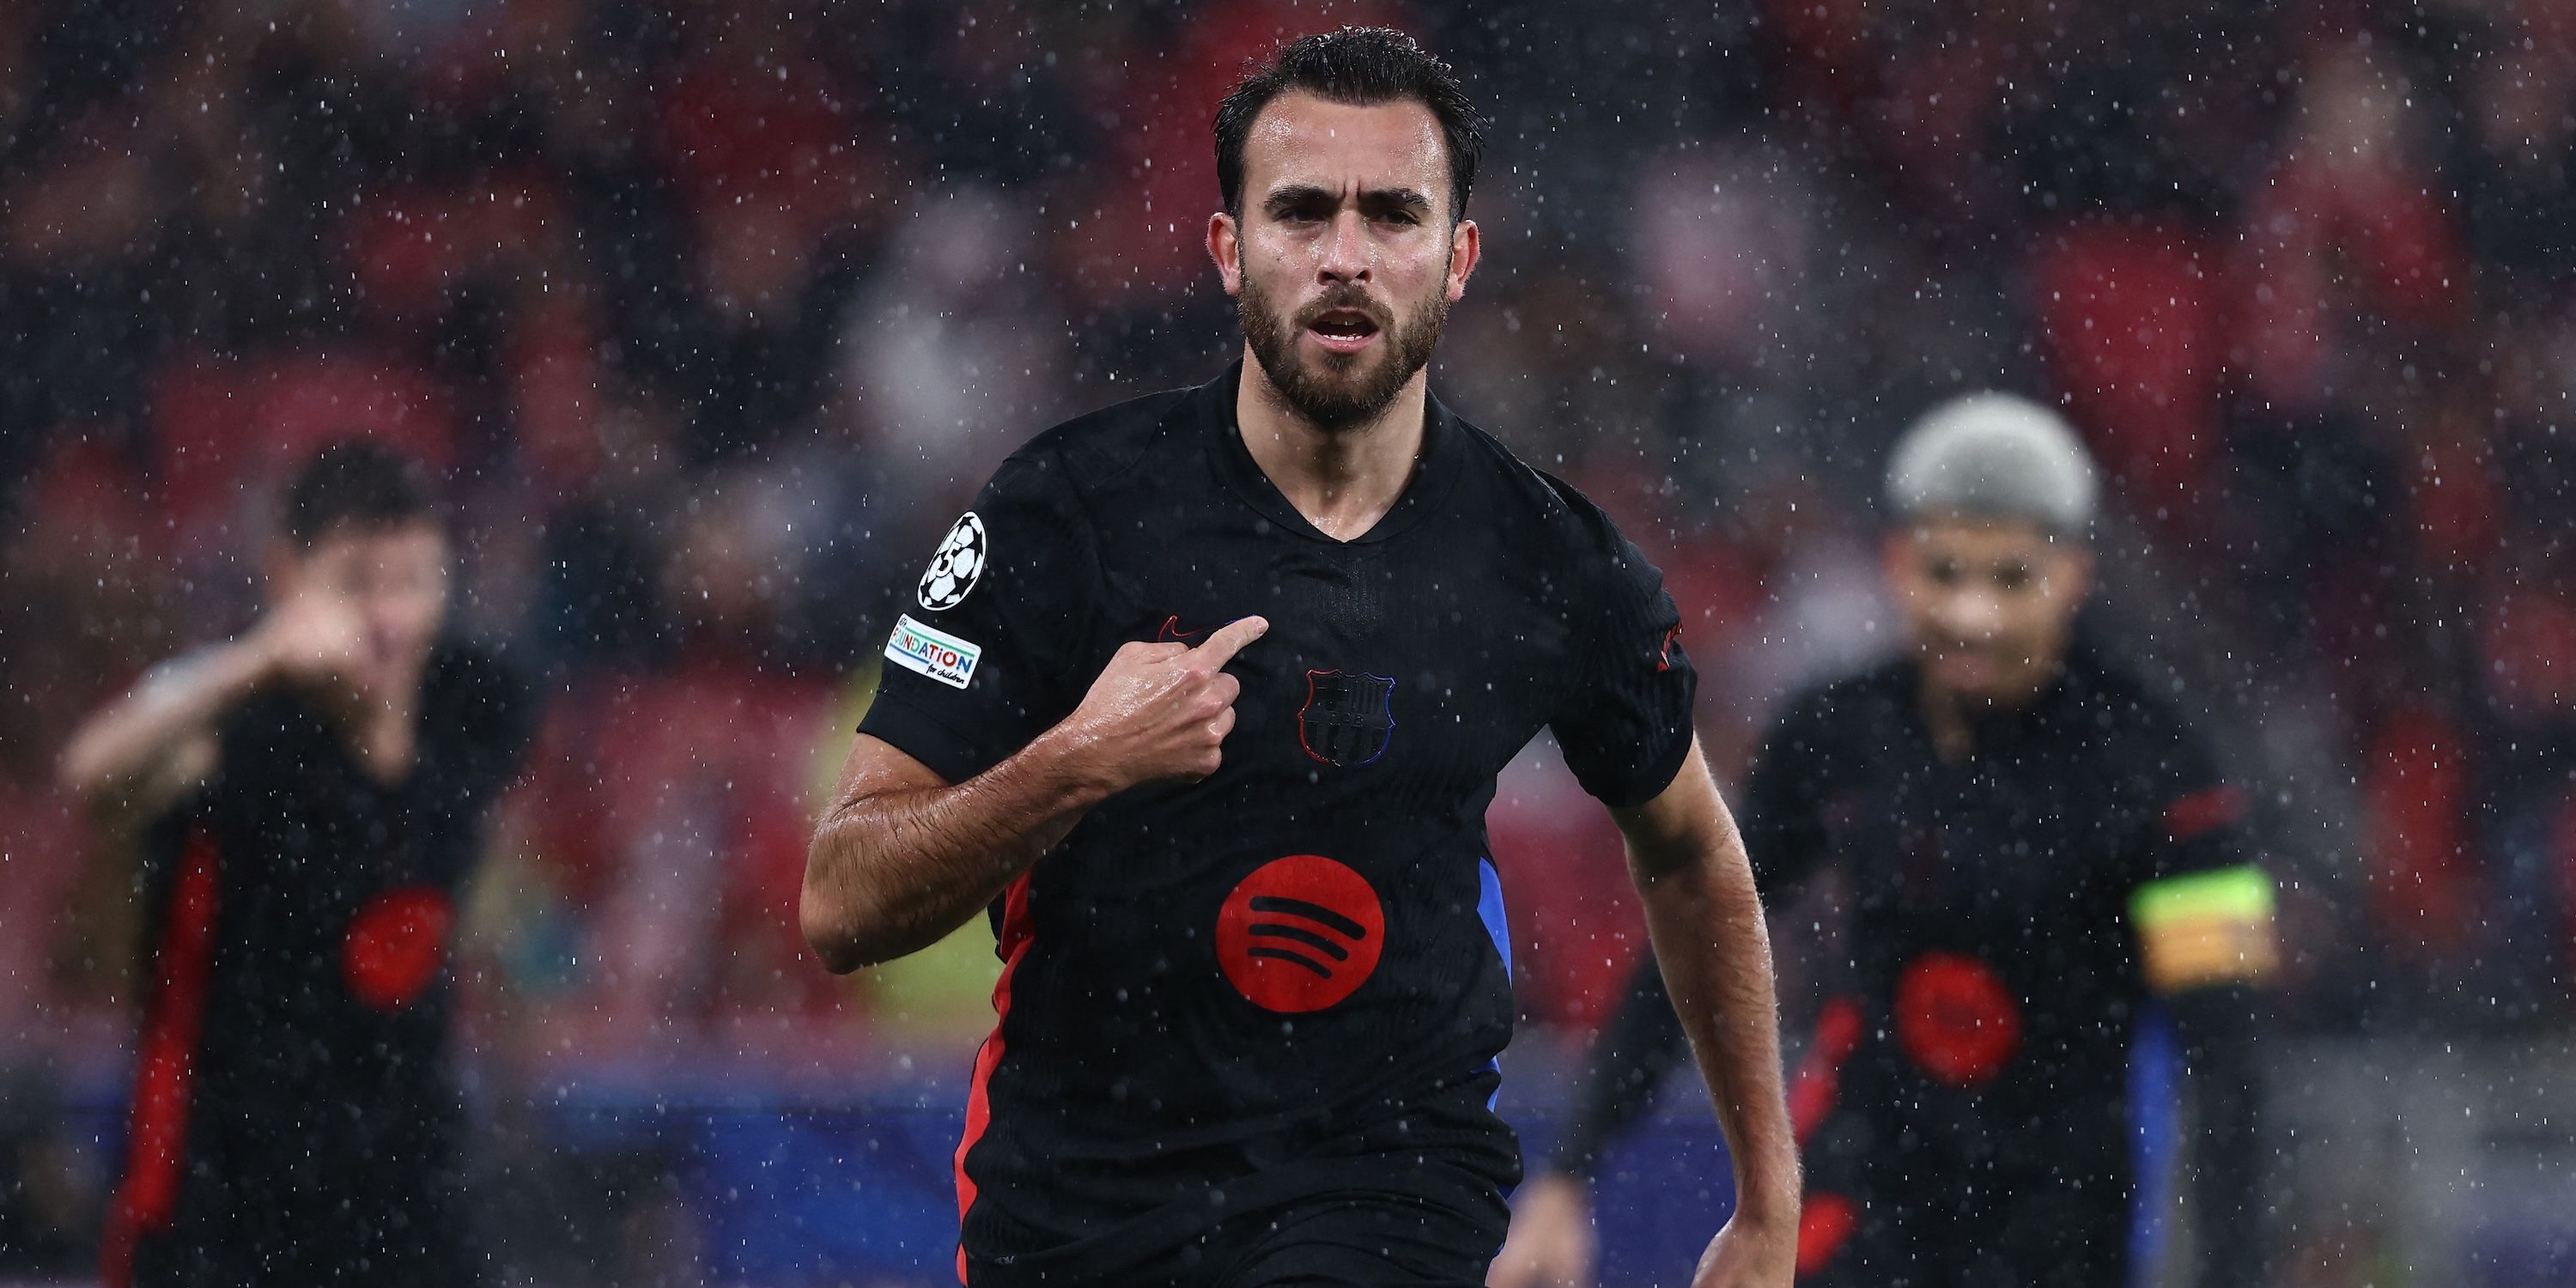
(1624, 723)
(1705, 920)
(2204, 928)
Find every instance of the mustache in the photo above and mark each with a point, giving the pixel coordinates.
(1346, 296)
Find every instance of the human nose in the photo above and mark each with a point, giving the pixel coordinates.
(1972, 614)
(1346, 249)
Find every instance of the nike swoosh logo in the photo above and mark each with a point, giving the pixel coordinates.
(1172, 632)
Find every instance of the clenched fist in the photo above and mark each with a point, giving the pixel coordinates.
(1160, 712)
(317, 638)
(1551, 1244)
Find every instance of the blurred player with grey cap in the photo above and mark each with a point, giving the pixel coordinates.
(2032, 849)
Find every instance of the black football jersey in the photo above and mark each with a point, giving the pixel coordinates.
(1992, 977)
(1990, 897)
(1293, 976)
(294, 1117)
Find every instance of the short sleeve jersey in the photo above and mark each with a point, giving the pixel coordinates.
(1992, 967)
(1203, 979)
(301, 913)
(1991, 944)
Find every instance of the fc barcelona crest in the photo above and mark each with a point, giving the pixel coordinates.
(1348, 718)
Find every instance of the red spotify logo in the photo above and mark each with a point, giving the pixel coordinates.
(1956, 1018)
(1300, 934)
(396, 945)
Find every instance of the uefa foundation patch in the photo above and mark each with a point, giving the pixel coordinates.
(934, 653)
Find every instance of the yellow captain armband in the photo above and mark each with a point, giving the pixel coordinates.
(2205, 928)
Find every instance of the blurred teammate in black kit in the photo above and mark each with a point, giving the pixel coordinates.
(308, 800)
(2030, 846)
(1206, 698)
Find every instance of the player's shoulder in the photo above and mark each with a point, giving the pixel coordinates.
(473, 685)
(2142, 725)
(2117, 694)
(1866, 701)
(1104, 448)
(1535, 505)
(468, 669)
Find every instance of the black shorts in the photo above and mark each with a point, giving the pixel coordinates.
(1360, 1237)
(1411, 1193)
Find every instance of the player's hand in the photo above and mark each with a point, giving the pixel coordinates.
(1160, 712)
(316, 639)
(1749, 1255)
(1551, 1244)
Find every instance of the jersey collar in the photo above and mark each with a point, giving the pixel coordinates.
(2060, 706)
(1211, 408)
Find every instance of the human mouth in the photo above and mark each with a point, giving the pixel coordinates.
(1343, 331)
(1965, 660)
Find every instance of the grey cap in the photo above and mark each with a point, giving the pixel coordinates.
(1994, 456)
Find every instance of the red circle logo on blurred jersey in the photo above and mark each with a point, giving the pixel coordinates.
(1300, 934)
(396, 945)
(1956, 1019)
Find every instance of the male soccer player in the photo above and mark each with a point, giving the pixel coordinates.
(307, 799)
(2032, 847)
(1205, 699)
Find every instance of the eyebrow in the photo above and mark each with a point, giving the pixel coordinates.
(1373, 201)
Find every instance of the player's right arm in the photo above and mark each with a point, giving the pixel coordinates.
(903, 856)
(144, 751)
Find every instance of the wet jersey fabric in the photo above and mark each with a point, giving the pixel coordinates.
(1289, 980)
(294, 1117)
(1963, 1107)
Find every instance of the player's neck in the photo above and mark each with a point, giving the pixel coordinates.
(389, 742)
(1952, 715)
(1954, 736)
(382, 734)
(1341, 480)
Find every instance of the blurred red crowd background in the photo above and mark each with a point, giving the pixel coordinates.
(712, 314)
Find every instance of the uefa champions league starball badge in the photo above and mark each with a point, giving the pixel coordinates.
(954, 568)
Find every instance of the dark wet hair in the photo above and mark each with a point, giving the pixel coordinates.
(1356, 65)
(367, 485)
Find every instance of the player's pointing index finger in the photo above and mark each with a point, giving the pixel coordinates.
(1229, 640)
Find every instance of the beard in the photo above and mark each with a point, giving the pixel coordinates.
(1340, 392)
